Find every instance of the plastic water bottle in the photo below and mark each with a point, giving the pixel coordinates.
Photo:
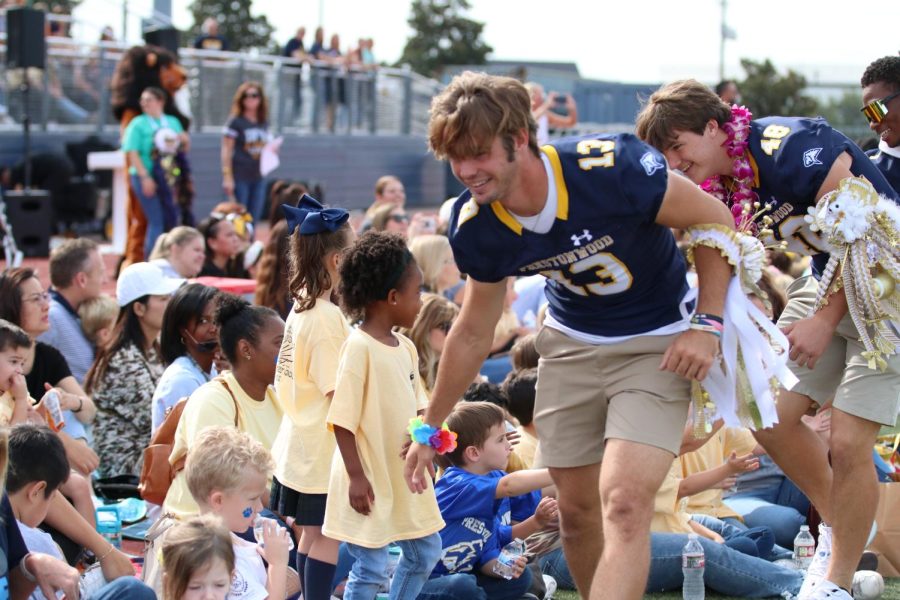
(259, 524)
(505, 566)
(804, 548)
(693, 564)
(109, 525)
(393, 560)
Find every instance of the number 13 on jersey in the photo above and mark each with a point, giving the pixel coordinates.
(612, 276)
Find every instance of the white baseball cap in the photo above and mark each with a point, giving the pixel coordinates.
(144, 279)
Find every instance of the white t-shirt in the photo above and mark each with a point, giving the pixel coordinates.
(250, 575)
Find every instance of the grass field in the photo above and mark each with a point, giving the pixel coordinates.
(891, 592)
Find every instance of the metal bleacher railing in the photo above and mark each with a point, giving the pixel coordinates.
(72, 93)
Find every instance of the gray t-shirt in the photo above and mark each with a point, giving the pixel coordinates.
(249, 140)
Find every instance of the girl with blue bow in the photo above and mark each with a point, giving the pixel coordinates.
(304, 383)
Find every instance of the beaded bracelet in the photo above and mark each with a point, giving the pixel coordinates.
(442, 440)
(708, 323)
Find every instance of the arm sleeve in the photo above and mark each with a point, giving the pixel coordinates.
(230, 131)
(130, 140)
(56, 364)
(16, 549)
(324, 361)
(643, 177)
(490, 551)
(803, 160)
(347, 403)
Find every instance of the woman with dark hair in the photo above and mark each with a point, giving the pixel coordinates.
(271, 282)
(24, 302)
(125, 372)
(250, 337)
(223, 249)
(246, 134)
(188, 344)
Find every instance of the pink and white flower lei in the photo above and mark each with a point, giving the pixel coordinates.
(742, 197)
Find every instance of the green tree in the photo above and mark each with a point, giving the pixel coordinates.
(242, 30)
(843, 114)
(442, 36)
(766, 92)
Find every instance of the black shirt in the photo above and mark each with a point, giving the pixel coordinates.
(49, 366)
(12, 546)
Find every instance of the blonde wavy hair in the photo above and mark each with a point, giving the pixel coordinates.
(436, 312)
(429, 251)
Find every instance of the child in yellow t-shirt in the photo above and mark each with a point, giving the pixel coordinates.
(378, 392)
(15, 403)
(304, 383)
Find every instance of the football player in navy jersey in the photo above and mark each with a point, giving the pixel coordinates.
(881, 99)
(794, 162)
(593, 214)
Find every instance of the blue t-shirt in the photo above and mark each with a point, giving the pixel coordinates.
(612, 270)
(888, 165)
(791, 157)
(12, 547)
(477, 523)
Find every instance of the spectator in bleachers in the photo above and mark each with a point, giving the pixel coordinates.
(390, 218)
(271, 275)
(520, 388)
(435, 258)
(223, 249)
(246, 134)
(209, 38)
(727, 90)
(124, 374)
(544, 110)
(389, 191)
(188, 344)
(333, 74)
(77, 274)
(429, 333)
(296, 50)
(180, 252)
(24, 302)
(98, 318)
(524, 354)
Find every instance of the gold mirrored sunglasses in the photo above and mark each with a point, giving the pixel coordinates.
(876, 110)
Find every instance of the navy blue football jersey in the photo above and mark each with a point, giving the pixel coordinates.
(888, 165)
(791, 157)
(612, 270)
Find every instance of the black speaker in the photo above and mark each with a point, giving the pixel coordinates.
(26, 46)
(164, 37)
(30, 213)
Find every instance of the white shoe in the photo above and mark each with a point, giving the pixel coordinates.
(825, 590)
(867, 585)
(819, 566)
(551, 585)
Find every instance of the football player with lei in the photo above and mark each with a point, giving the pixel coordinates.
(792, 167)
(881, 106)
(619, 347)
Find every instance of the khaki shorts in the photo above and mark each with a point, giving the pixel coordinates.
(841, 372)
(587, 394)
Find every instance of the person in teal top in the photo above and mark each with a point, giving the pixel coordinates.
(150, 141)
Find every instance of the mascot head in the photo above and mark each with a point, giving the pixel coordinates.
(140, 68)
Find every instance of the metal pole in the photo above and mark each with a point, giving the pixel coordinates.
(125, 21)
(26, 128)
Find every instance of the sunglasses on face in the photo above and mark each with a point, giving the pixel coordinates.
(445, 327)
(876, 110)
(399, 218)
(251, 95)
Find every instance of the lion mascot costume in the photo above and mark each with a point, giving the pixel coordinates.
(139, 68)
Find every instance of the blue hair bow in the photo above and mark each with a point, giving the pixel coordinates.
(312, 218)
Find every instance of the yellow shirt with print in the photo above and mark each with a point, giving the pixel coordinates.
(378, 391)
(668, 513)
(306, 373)
(211, 405)
(713, 454)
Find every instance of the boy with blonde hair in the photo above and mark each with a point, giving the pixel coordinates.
(98, 317)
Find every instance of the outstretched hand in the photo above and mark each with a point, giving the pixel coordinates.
(691, 354)
(419, 460)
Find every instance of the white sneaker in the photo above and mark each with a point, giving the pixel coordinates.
(867, 585)
(825, 590)
(819, 566)
(551, 585)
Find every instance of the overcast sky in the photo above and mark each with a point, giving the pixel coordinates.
(636, 41)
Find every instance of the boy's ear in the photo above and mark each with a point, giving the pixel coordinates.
(215, 500)
(471, 454)
(36, 490)
(712, 126)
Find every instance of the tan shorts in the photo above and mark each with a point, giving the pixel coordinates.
(841, 372)
(588, 394)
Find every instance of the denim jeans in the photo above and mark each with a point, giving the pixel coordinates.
(369, 569)
(728, 571)
(124, 587)
(252, 194)
(755, 541)
(153, 211)
(783, 510)
(471, 586)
